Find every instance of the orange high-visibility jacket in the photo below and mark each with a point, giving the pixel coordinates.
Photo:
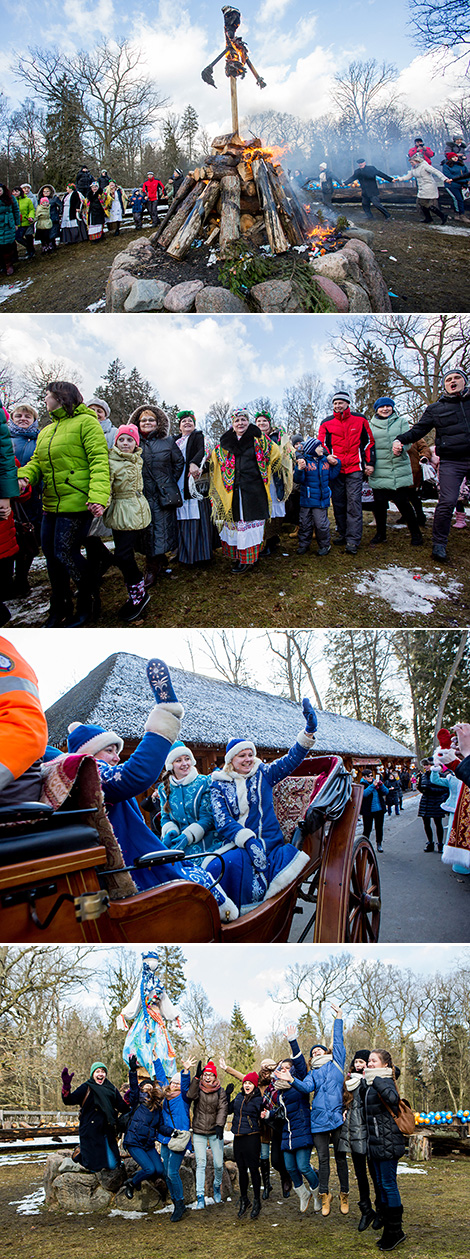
(23, 726)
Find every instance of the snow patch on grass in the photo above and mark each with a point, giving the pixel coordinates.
(10, 290)
(30, 1204)
(407, 591)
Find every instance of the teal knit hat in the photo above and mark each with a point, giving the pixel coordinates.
(94, 1067)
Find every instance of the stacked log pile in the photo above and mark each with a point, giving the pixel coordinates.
(240, 190)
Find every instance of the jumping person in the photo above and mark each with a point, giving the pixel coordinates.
(210, 1107)
(100, 1105)
(325, 1081)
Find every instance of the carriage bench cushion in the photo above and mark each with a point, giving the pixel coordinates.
(52, 842)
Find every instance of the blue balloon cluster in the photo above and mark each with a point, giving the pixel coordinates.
(436, 1118)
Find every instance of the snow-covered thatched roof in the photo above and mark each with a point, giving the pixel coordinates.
(117, 696)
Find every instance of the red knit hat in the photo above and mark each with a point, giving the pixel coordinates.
(210, 1066)
(252, 1076)
(131, 431)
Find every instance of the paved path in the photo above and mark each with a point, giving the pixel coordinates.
(422, 900)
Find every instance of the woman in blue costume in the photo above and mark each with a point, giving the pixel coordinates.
(121, 783)
(186, 811)
(242, 803)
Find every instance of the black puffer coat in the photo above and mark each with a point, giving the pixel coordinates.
(163, 464)
(450, 416)
(94, 1132)
(384, 1139)
(246, 1113)
(145, 1125)
(432, 796)
(355, 1124)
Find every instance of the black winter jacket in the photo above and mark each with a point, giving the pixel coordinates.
(248, 480)
(144, 1125)
(366, 176)
(94, 1132)
(463, 771)
(163, 464)
(246, 1113)
(384, 1139)
(450, 416)
(432, 796)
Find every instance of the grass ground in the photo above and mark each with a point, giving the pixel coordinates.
(383, 586)
(435, 1219)
(424, 267)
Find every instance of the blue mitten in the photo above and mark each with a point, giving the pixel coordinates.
(310, 715)
(160, 682)
(257, 853)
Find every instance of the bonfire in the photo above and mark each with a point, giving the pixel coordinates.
(240, 190)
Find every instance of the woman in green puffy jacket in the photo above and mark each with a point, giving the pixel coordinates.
(71, 458)
(392, 478)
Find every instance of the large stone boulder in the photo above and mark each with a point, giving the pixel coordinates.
(356, 263)
(333, 291)
(214, 300)
(275, 297)
(117, 290)
(358, 298)
(142, 249)
(146, 295)
(333, 266)
(181, 298)
(81, 1191)
(125, 261)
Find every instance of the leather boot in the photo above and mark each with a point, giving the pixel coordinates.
(178, 1211)
(326, 1203)
(367, 1215)
(344, 1203)
(267, 1186)
(243, 1206)
(255, 1210)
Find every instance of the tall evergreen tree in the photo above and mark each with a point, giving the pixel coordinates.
(189, 128)
(373, 378)
(171, 970)
(241, 1053)
(63, 154)
(425, 658)
(362, 668)
(124, 391)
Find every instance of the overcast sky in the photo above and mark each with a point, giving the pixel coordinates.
(296, 49)
(191, 360)
(248, 973)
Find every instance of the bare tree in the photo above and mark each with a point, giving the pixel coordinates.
(300, 654)
(442, 24)
(35, 378)
(114, 96)
(197, 1011)
(226, 652)
(314, 987)
(217, 420)
(304, 404)
(358, 91)
(417, 348)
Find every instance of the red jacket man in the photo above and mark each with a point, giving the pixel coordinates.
(152, 189)
(348, 436)
(422, 149)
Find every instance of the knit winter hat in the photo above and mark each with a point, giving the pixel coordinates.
(341, 396)
(297, 437)
(182, 415)
(252, 1076)
(179, 749)
(234, 746)
(100, 402)
(23, 406)
(51, 754)
(360, 1053)
(451, 154)
(131, 431)
(210, 1066)
(383, 402)
(455, 371)
(91, 739)
(269, 1063)
(95, 1065)
(318, 1046)
(44, 201)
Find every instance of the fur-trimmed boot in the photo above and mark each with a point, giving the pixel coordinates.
(265, 1169)
(393, 1232)
(303, 1195)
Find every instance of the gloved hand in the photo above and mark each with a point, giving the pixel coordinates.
(310, 715)
(132, 1062)
(229, 1090)
(256, 852)
(219, 1131)
(199, 1070)
(67, 1078)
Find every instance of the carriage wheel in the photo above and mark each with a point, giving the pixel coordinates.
(348, 900)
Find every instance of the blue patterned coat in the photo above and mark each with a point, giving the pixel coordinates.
(243, 809)
(190, 821)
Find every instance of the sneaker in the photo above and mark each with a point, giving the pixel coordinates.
(351, 550)
(439, 552)
(324, 550)
(302, 550)
(136, 609)
(380, 848)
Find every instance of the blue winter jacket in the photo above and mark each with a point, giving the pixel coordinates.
(326, 1084)
(297, 1132)
(315, 479)
(176, 1111)
(190, 821)
(145, 1126)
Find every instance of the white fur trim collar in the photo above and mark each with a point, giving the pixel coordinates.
(184, 782)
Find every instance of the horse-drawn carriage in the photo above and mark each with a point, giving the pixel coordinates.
(63, 879)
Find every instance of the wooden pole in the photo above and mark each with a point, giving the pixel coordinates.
(185, 187)
(230, 211)
(181, 215)
(188, 232)
(234, 105)
(276, 238)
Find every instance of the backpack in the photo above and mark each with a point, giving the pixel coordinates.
(405, 1120)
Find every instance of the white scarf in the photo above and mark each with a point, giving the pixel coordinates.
(353, 1081)
(371, 1073)
(320, 1060)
